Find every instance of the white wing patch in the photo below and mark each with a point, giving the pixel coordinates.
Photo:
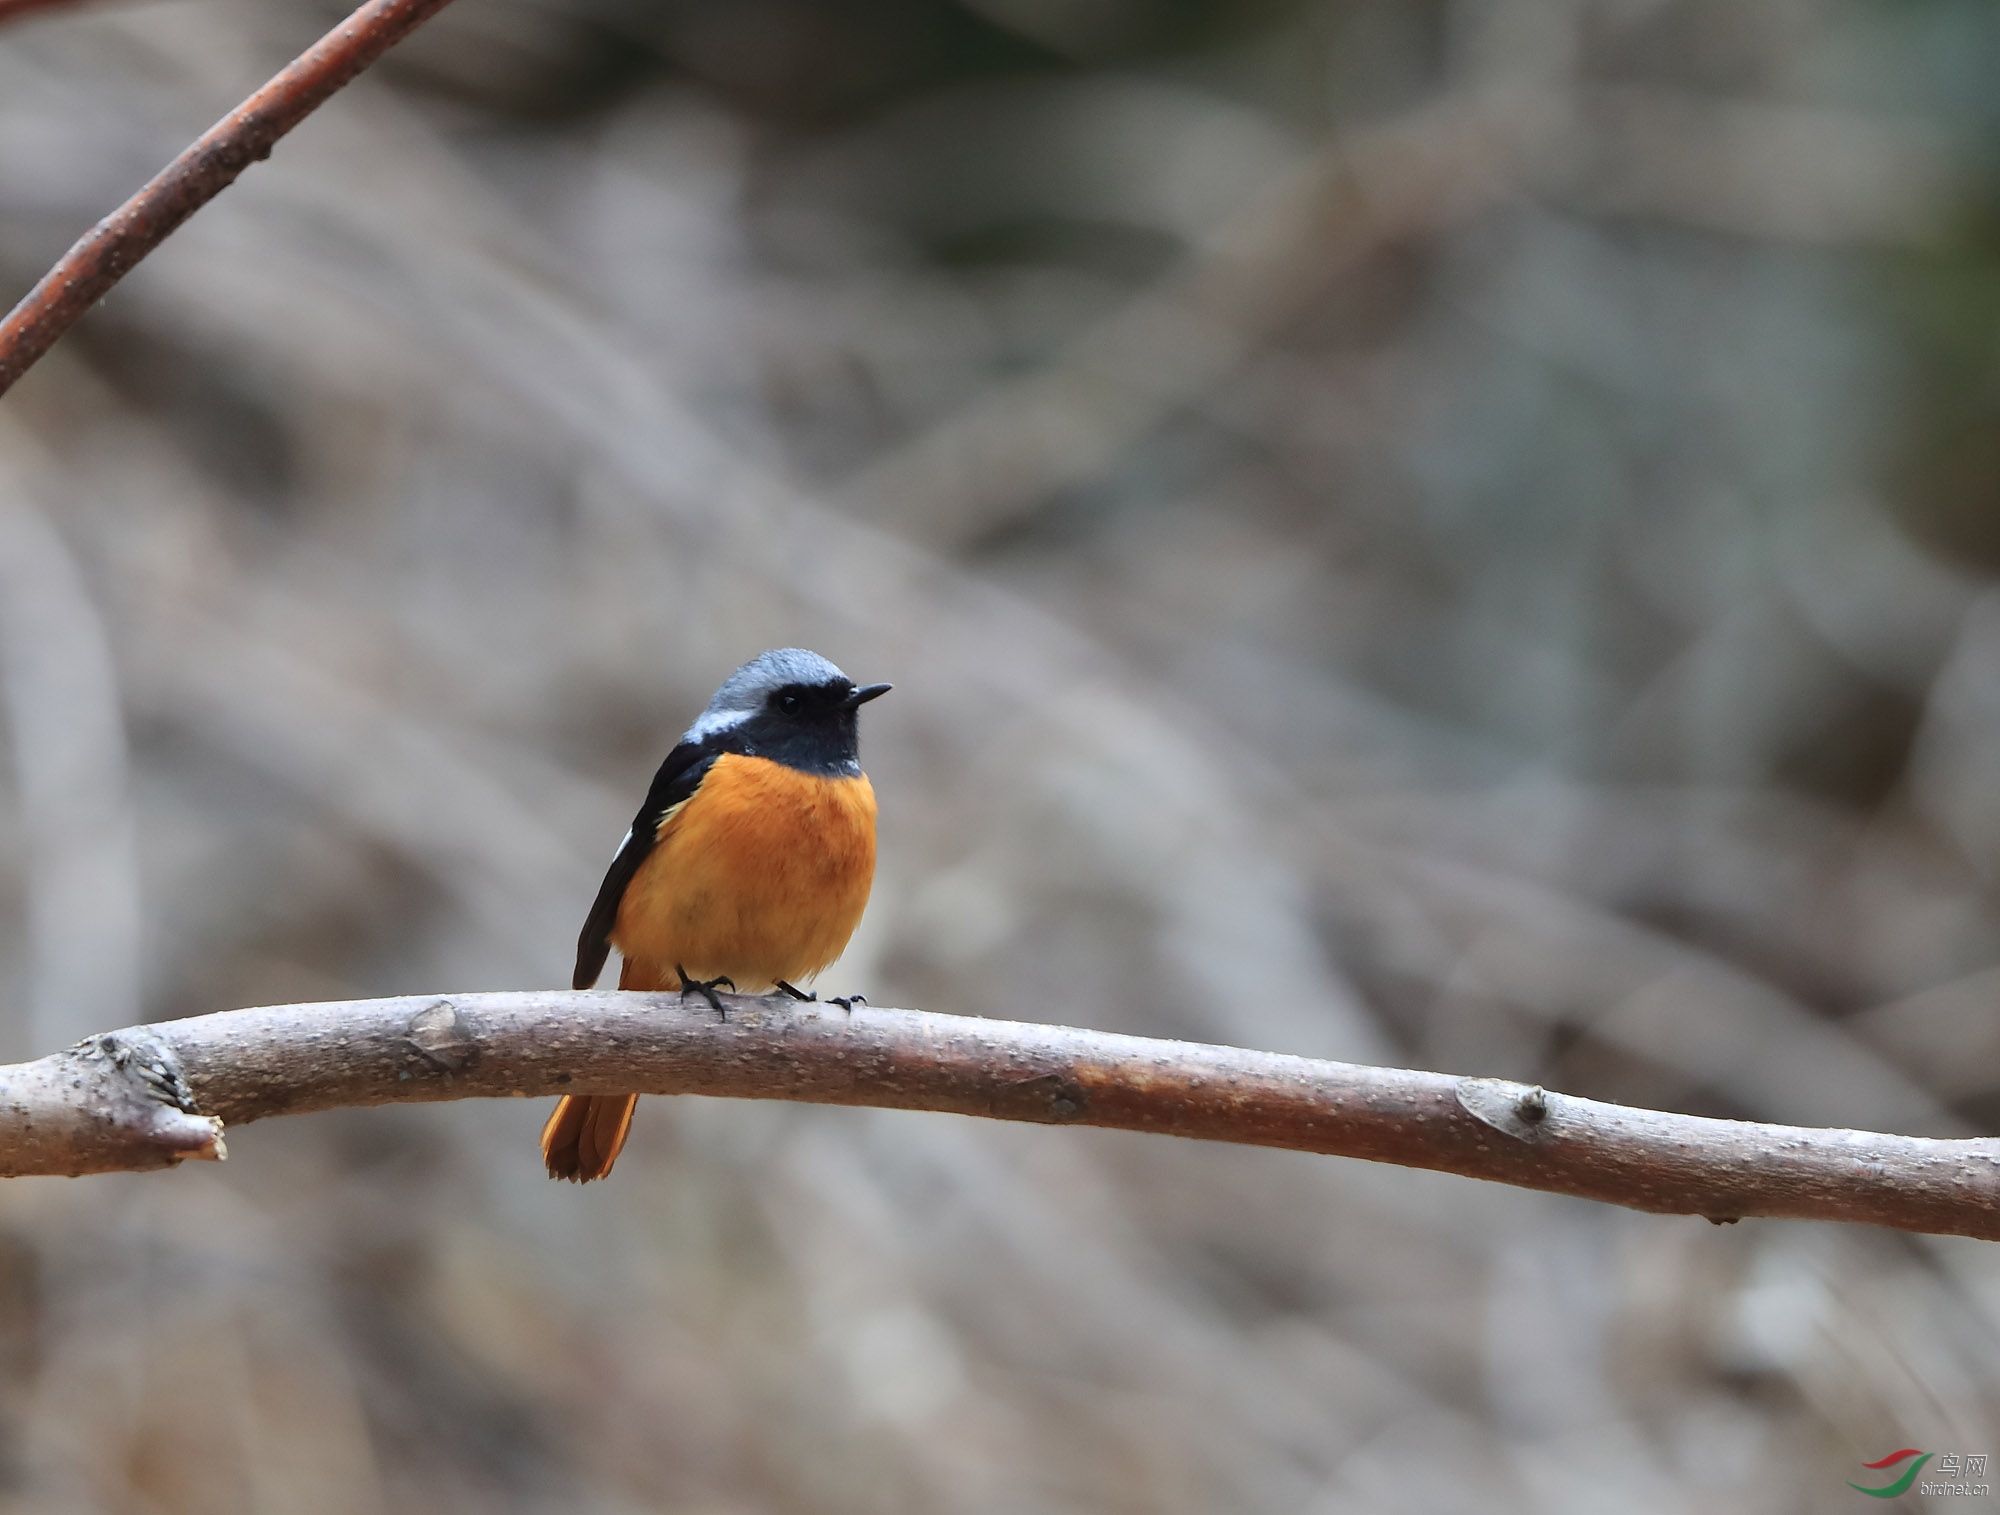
(668, 814)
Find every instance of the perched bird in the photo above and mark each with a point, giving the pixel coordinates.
(748, 865)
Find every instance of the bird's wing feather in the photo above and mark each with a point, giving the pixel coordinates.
(679, 776)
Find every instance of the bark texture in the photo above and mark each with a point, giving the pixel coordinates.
(153, 1095)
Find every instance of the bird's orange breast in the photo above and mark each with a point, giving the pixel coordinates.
(762, 875)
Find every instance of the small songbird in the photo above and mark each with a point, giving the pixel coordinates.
(748, 865)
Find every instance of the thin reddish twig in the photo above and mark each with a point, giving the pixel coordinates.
(89, 269)
(9, 9)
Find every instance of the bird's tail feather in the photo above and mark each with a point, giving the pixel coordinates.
(583, 1137)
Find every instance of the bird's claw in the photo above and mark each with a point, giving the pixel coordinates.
(846, 1002)
(705, 988)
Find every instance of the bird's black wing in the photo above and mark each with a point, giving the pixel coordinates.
(679, 776)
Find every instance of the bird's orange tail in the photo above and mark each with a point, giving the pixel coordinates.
(583, 1138)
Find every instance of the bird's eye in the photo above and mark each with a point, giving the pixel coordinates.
(789, 703)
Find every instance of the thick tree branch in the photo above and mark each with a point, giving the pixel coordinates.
(248, 133)
(150, 1096)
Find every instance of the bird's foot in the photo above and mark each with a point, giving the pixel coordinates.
(846, 1002)
(705, 988)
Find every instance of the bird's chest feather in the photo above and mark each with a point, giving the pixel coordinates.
(762, 875)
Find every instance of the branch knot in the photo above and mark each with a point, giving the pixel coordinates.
(147, 1061)
(1517, 1110)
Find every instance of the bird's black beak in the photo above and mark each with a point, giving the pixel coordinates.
(866, 693)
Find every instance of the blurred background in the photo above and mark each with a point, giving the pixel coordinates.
(1457, 533)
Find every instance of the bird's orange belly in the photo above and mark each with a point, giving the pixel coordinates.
(762, 875)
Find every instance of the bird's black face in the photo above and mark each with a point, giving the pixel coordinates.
(808, 726)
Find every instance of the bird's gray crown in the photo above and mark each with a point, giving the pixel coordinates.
(743, 693)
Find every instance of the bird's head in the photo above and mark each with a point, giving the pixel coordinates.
(789, 705)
